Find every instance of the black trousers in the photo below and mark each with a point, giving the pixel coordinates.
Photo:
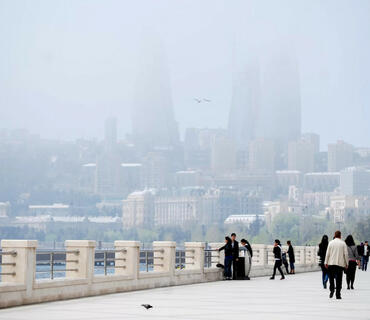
(277, 266)
(235, 268)
(286, 266)
(335, 278)
(351, 273)
(240, 270)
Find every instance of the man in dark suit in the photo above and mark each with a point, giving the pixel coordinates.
(235, 251)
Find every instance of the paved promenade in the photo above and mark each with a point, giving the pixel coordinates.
(298, 297)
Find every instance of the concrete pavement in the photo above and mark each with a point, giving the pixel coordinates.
(298, 297)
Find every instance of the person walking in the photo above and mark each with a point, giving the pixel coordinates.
(365, 256)
(235, 251)
(336, 260)
(278, 260)
(291, 256)
(360, 250)
(353, 260)
(323, 246)
(228, 258)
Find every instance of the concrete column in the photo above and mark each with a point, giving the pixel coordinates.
(270, 258)
(302, 255)
(217, 257)
(260, 253)
(194, 255)
(127, 258)
(80, 259)
(164, 256)
(19, 264)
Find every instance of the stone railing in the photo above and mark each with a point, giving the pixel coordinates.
(19, 284)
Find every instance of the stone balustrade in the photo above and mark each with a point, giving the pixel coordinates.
(19, 285)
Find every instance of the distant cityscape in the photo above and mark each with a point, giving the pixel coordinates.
(258, 168)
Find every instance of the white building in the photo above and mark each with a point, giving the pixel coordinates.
(53, 209)
(343, 208)
(138, 209)
(176, 210)
(245, 219)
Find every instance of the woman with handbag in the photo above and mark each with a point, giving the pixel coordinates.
(353, 258)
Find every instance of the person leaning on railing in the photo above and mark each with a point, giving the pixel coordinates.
(228, 258)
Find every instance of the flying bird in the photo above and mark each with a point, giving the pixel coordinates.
(147, 306)
(206, 100)
(198, 100)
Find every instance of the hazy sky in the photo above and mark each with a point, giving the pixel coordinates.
(66, 65)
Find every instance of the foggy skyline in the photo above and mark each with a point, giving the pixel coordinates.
(65, 66)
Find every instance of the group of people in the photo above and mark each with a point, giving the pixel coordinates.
(338, 257)
(280, 257)
(235, 266)
(238, 259)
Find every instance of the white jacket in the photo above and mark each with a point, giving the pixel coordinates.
(337, 253)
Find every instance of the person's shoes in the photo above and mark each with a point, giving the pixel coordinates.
(352, 287)
(348, 288)
(247, 278)
(272, 278)
(331, 295)
(325, 286)
(339, 297)
(282, 278)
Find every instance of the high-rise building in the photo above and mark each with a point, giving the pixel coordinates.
(340, 156)
(280, 105)
(314, 139)
(153, 121)
(108, 165)
(301, 156)
(223, 155)
(110, 134)
(155, 171)
(244, 109)
(355, 182)
(262, 156)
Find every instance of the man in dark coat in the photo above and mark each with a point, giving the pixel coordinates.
(291, 257)
(235, 251)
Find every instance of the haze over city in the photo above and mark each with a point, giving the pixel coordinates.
(65, 66)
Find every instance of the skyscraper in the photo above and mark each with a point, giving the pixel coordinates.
(153, 121)
(280, 112)
(243, 117)
(266, 104)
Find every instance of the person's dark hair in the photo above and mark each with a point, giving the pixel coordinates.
(228, 239)
(243, 241)
(337, 234)
(349, 241)
(366, 241)
(289, 242)
(277, 241)
(233, 234)
(324, 240)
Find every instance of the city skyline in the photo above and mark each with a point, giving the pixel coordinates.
(62, 71)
